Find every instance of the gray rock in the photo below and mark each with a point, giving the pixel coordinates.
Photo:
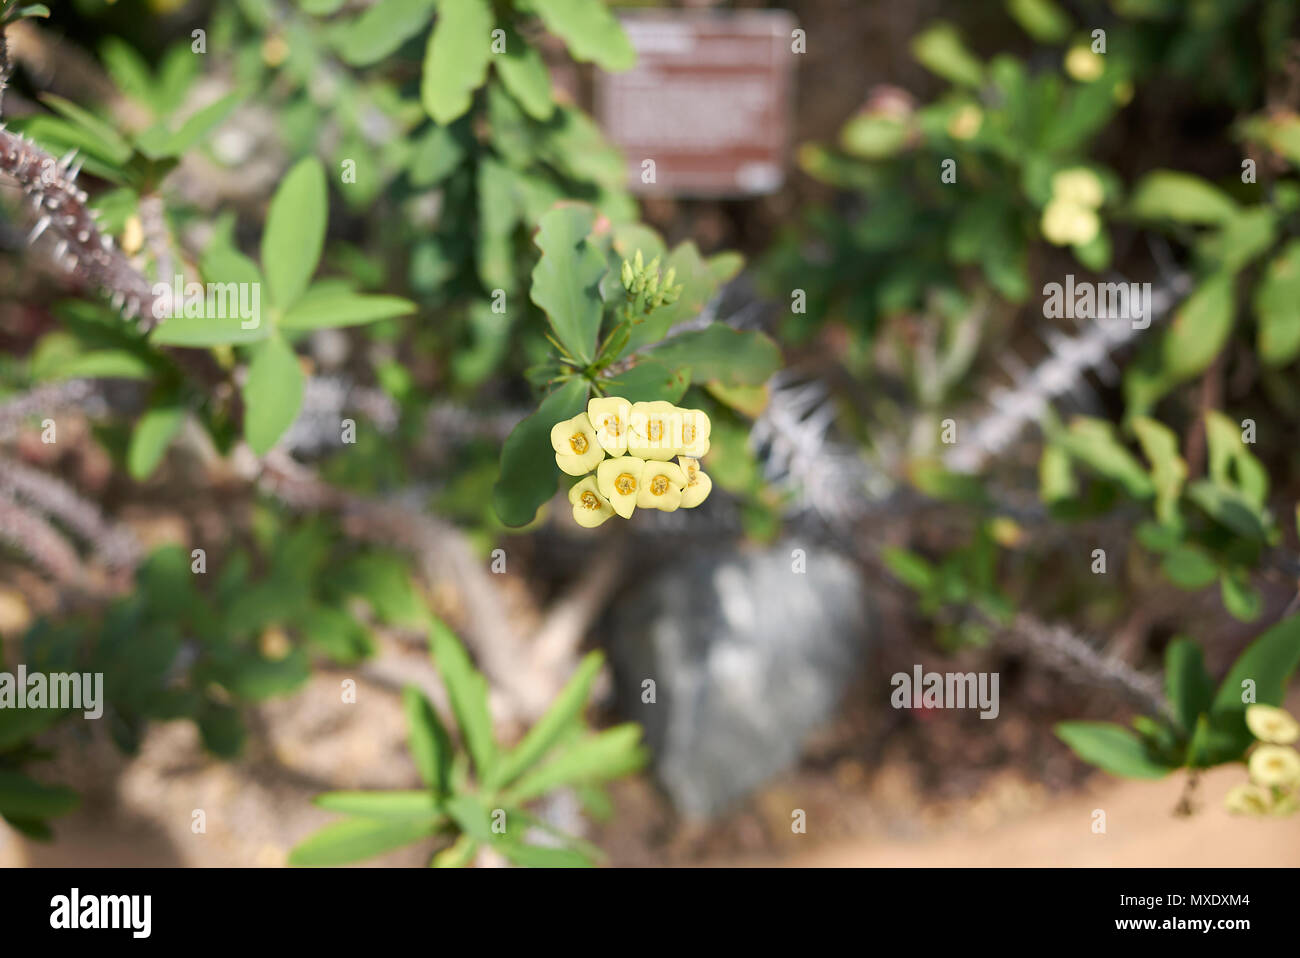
(747, 656)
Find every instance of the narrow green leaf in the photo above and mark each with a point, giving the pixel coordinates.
(940, 50)
(330, 308)
(1260, 674)
(272, 394)
(1200, 328)
(471, 816)
(295, 232)
(396, 805)
(539, 856)
(468, 691)
(610, 754)
(565, 712)
(429, 742)
(356, 839)
(1111, 748)
(152, 435)
(1187, 685)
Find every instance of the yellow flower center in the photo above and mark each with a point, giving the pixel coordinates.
(625, 484)
(656, 432)
(611, 426)
(589, 500)
(579, 443)
(688, 434)
(659, 485)
(690, 475)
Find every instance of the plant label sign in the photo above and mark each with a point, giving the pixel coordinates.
(706, 110)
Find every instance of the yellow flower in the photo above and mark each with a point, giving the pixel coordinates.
(1079, 186)
(1275, 765)
(661, 486)
(1269, 724)
(698, 485)
(575, 445)
(1084, 65)
(1065, 223)
(619, 480)
(609, 417)
(590, 508)
(1248, 800)
(652, 428)
(966, 122)
(691, 434)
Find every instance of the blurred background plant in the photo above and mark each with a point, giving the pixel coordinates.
(439, 229)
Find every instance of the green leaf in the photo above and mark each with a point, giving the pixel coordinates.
(1187, 685)
(472, 817)
(1229, 452)
(648, 381)
(525, 75)
(940, 50)
(380, 30)
(329, 307)
(718, 352)
(105, 364)
(429, 742)
(1189, 567)
(1230, 509)
(468, 691)
(564, 715)
(566, 280)
(295, 232)
(160, 141)
(357, 838)
(1093, 442)
(1056, 482)
(1183, 197)
(109, 141)
(395, 805)
(1240, 598)
(336, 633)
(384, 581)
(590, 31)
(235, 286)
(910, 569)
(1168, 470)
(272, 394)
(1200, 328)
(152, 435)
(438, 153)
(1277, 307)
(1111, 748)
(528, 473)
(610, 754)
(539, 856)
(456, 60)
(1246, 236)
(1042, 19)
(22, 797)
(1263, 669)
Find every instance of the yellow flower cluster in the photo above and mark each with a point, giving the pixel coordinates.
(1070, 217)
(1274, 765)
(641, 440)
